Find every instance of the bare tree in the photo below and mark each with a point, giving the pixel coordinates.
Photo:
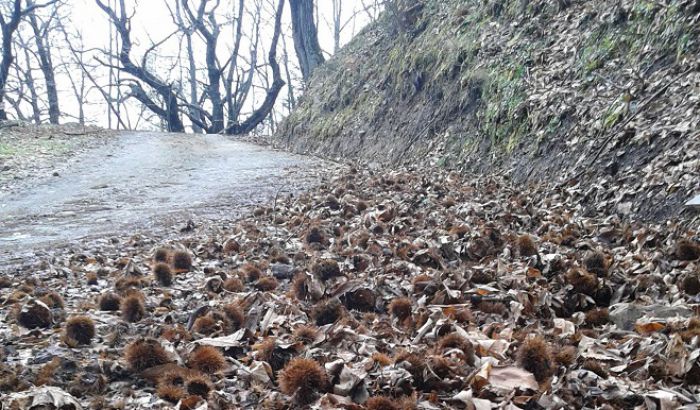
(27, 76)
(167, 110)
(372, 8)
(204, 21)
(305, 34)
(291, 100)
(187, 33)
(339, 24)
(261, 112)
(76, 70)
(41, 30)
(235, 98)
(10, 17)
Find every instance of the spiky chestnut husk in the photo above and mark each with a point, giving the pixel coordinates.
(303, 379)
(234, 285)
(205, 325)
(461, 315)
(597, 317)
(174, 377)
(234, 314)
(691, 284)
(198, 384)
(80, 329)
(231, 246)
(305, 333)
(35, 314)
(142, 354)
(314, 235)
(566, 356)
(170, 393)
(176, 334)
(47, 372)
(381, 359)
(300, 287)
(401, 308)
(206, 359)
(582, 281)
(276, 356)
(110, 302)
(182, 261)
(526, 246)
(250, 272)
(421, 283)
(191, 402)
(595, 262)
(132, 308)
(125, 284)
(494, 308)
(214, 284)
(326, 269)
(687, 250)
(596, 367)
(327, 312)
(266, 284)
(535, 356)
(53, 300)
(382, 403)
(455, 341)
(161, 255)
(163, 274)
(692, 330)
(363, 300)
(91, 278)
(415, 363)
(482, 277)
(360, 239)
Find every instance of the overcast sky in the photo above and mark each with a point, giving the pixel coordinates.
(152, 22)
(152, 17)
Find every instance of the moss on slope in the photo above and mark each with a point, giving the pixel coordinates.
(516, 85)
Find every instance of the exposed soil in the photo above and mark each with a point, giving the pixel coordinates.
(591, 93)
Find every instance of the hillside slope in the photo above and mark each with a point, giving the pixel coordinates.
(586, 96)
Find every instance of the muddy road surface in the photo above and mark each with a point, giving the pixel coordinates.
(147, 182)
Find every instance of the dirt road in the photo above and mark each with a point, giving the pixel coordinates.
(146, 182)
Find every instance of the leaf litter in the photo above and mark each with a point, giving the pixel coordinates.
(376, 290)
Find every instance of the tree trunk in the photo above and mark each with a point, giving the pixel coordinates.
(8, 30)
(7, 59)
(29, 82)
(305, 36)
(9, 26)
(291, 100)
(210, 33)
(46, 65)
(193, 82)
(232, 107)
(171, 113)
(192, 76)
(268, 103)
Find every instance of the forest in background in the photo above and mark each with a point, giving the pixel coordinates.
(214, 66)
